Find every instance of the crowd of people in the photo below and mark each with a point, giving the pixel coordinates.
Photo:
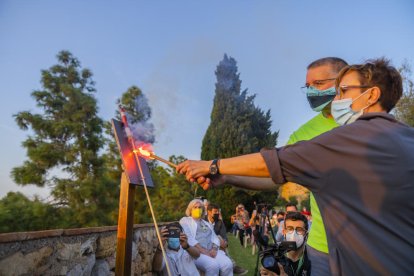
(200, 242)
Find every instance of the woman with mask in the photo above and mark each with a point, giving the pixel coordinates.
(200, 233)
(356, 173)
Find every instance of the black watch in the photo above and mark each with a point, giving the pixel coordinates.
(214, 169)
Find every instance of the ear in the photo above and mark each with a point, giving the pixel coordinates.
(374, 95)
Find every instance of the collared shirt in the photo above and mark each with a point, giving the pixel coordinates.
(180, 263)
(362, 176)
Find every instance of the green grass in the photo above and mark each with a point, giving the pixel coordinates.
(242, 256)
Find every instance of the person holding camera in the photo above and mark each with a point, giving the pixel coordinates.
(241, 220)
(179, 253)
(297, 263)
(201, 235)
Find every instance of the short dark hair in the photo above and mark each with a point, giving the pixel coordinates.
(212, 206)
(281, 213)
(294, 216)
(380, 73)
(290, 204)
(336, 63)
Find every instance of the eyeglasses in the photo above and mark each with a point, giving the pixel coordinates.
(299, 230)
(341, 89)
(316, 83)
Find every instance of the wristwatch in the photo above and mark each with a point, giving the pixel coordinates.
(214, 169)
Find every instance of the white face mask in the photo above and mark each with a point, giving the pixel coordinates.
(299, 239)
(342, 112)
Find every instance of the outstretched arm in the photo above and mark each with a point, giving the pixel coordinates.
(245, 165)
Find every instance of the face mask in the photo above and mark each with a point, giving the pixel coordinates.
(196, 213)
(174, 243)
(216, 217)
(318, 99)
(342, 112)
(299, 239)
(279, 220)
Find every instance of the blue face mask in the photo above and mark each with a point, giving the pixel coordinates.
(318, 99)
(342, 112)
(173, 243)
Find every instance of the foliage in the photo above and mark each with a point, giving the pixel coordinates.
(237, 127)
(18, 213)
(404, 111)
(66, 138)
(280, 203)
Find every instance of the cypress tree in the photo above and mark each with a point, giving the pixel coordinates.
(237, 127)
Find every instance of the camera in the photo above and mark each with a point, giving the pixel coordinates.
(274, 254)
(174, 230)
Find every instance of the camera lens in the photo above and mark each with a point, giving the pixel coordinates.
(268, 262)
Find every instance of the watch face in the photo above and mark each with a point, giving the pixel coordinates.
(213, 169)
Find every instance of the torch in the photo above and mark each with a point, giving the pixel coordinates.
(150, 154)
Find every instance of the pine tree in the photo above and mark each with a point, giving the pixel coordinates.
(237, 127)
(66, 137)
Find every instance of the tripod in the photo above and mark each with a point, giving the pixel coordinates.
(258, 234)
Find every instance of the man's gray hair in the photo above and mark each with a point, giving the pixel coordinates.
(336, 63)
(191, 205)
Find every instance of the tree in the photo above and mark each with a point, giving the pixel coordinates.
(138, 114)
(66, 136)
(18, 213)
(237, 127)
(404, 111)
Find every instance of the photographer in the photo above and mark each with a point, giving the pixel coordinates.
(180, 254)
(241, 220)
(295, 230)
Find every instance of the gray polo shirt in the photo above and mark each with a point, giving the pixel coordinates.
(362, 176)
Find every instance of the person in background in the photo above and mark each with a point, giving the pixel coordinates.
(201, 235)
(213, 212)
(295, 230)
(180, 254)
(289, 207)
(241, 219)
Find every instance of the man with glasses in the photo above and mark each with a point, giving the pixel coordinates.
(320, 91)
(289, 208)
(362, 174)
(295, 230)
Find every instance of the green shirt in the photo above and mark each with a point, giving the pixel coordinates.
(314, 127)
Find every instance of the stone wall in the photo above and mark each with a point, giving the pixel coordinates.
(84, 251)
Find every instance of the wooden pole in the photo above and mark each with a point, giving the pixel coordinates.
(125, 228)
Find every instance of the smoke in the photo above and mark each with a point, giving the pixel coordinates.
(141, 128)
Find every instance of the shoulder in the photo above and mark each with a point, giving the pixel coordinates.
(185, 220)
(314, 127)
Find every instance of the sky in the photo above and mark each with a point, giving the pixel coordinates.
(170, 49)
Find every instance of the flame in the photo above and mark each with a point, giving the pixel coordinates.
(144, 150)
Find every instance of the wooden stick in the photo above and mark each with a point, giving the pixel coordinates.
(163, 160)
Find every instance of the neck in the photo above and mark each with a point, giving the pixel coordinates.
(295, 255)
(210, 219)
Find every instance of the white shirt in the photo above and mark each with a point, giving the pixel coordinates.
(180, 263)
